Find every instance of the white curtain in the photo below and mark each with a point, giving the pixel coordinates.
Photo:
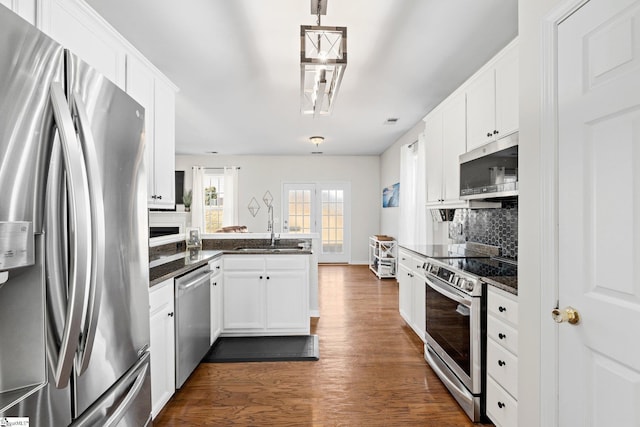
(197, 198)
(420, 209)
(230, 203)
(413, 214)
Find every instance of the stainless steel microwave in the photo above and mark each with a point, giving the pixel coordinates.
(490, 171)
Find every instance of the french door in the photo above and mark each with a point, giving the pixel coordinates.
(320, 207)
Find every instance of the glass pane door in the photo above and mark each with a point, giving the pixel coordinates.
(319, 208)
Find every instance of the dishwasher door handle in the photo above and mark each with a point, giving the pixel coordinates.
(195, 282)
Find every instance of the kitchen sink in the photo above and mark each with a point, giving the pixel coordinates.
(269, 250)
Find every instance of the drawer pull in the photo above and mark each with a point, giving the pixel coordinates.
(501, 405)
(502, 336)
(502, 309)
(501, 363)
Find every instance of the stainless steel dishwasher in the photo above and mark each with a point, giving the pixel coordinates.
(192, 321)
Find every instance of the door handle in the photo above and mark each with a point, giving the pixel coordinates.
(568, 314)
(79, 215)
(98, 237)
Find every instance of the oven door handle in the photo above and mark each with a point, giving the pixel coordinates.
(447, 293)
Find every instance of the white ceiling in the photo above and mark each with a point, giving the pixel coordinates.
(236, 63)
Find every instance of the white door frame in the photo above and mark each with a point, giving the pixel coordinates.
(549, 283)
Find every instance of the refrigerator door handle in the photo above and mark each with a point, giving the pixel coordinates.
(79, 235)
(97, 231)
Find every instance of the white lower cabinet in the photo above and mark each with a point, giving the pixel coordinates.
(502, 357)
(411, 283)
(216, 298)
(162, 345)
(265, 295)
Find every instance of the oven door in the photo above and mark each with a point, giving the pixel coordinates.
(453, 330)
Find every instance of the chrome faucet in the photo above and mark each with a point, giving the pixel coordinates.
(270, 226)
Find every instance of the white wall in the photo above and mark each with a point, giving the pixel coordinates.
(261, 173)
(531, 14)
(390, 174)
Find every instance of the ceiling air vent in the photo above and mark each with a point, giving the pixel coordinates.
(391, 121)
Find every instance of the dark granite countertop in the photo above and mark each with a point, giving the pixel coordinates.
(178, 263)
(457, 250)
(167, 264)
(506, 283)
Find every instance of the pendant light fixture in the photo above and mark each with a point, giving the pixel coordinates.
(323, 59)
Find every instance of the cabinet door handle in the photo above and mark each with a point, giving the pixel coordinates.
(160, 197)
(502, 336)
(501, 363)
(495, 132)
(261, 277)
(170, 314)
(502, 309)
(489, 135)
(501, 405)
(267, 277)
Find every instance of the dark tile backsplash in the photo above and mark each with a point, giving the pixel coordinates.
(498, 227)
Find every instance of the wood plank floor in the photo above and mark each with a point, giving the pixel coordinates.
(371, 371)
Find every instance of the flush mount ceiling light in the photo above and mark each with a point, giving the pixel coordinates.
(323, 59)
(317, 140)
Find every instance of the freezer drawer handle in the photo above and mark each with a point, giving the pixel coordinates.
(129, 399)
(79, 234)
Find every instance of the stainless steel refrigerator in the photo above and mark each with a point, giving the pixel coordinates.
(74, 304)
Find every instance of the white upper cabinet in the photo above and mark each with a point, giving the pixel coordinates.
(158, 99)
(507, 110)
(80, 29)
(492, 99)
(453, 144)
(446, 139)
(25, 8)
(481, 109)
(164, 146)
(433, 139)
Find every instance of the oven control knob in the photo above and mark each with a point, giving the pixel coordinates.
(468, 286)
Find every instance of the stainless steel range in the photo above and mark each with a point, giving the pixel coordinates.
(455, 325)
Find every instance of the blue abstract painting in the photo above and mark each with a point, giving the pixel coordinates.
(391, 196)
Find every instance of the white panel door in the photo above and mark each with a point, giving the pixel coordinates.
(599, 211)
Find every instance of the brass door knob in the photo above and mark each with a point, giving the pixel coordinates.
(569, 314)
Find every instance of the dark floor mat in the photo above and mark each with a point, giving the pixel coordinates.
(264, 349)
